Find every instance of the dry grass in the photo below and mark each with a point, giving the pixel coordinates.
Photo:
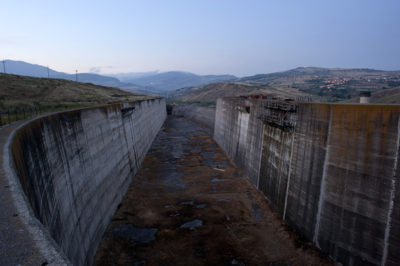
(211, 92)
(388, 96)
(24, 92)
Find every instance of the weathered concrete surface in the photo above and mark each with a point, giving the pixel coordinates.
(17, 244)
(189, 205)
(307, 165)
(75, 167)
(240, 135)
(330, 170)
(200, 114)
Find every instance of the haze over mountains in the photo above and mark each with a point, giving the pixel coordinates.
(147, 83)
(33, 70)
(323, 84)
(174, 80)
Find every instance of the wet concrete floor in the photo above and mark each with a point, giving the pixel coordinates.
(189, 205)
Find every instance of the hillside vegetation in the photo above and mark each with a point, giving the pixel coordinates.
(332, 84)
(210, 93)
(386, 96)
(149, 83)
(323, 84)
(22, 91)
(172, 80)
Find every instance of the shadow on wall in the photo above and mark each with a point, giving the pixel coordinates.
(75, 167)
(330, 170)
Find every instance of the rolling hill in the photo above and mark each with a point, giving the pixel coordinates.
(333, 84)
(26, 69)
(151, 83)
(172, 80)
(23, 91)
(211, 92)
(323, 84)
(386, 96)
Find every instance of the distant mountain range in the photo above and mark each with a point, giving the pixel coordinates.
(324, 84)
(173, 80)
(146, 83)
(26, 69)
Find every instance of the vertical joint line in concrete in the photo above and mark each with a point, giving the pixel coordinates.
(288, 182)
(261, 155)
(391, 199)
(133, 143)
(322, 186)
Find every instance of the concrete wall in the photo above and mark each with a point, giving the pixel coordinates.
(331, 171)
(239, 132)
(75, 168)
(200, 114)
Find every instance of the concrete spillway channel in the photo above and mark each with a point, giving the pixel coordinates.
(172, 196)
(329, 171)
(189, 205)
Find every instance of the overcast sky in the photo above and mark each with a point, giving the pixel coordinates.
(201, 36)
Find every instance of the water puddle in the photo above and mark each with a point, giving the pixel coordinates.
(139, 262)
(236, 262)
(198, 253)
(195, 149)
(192, 224)
(257, 211)
(195, 184)
(215, 180)
(137, 234)
(208, 158)
(201, 206)
(222, 199)
(191, 202)
(174, 179)
(249, 195)
(236, 174)
(223, 163)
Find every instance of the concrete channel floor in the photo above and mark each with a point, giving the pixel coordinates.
(189, 205)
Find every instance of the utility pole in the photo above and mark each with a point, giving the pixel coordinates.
(48, 72)
(4, 66)
(76, 75)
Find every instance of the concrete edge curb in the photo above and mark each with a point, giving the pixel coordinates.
(42, 238)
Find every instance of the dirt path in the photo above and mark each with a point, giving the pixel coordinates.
(188, 205)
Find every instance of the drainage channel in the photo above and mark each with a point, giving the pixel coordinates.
(189, 205)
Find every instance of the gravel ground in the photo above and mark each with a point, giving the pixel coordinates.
(190, 205)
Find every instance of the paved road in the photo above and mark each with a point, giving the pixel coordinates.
(189, 205)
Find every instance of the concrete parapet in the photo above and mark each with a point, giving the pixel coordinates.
(75, 167)
(330, 170)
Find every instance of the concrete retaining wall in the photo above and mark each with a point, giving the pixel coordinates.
(75, 168)
(199, 114)
(331, 171)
